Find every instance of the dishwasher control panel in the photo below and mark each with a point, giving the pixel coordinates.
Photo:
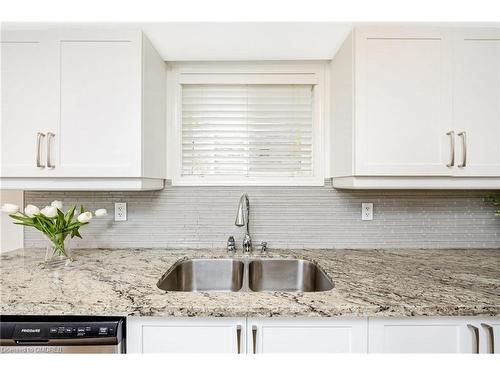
(27, 331)
(64, 331)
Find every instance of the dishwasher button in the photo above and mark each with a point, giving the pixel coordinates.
(53, 330)
(103, 330)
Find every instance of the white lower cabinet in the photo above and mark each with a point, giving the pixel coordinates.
(185, 335)
(239, 335)
(490, 336)
(313, 335)
(307, 335)
(432, 335)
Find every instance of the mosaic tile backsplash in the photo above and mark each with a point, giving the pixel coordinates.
(285, 217)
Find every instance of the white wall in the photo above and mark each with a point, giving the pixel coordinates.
(11, 236)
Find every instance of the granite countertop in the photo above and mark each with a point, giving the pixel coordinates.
(375, 283)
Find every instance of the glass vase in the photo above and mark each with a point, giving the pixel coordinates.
(58, 250)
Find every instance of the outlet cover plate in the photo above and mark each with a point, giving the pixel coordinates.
(366, 211)
(121, 211)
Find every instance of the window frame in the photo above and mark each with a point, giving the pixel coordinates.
(245, 72)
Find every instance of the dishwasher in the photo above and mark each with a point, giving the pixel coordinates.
(62, 334)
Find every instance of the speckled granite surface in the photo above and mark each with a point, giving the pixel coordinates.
(366, 283)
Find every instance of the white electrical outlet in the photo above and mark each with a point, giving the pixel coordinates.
(121, 211)
(366, 211)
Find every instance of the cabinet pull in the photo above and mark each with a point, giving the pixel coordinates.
(49, 151)
(491, 332)
(476, 336)
(39, 137)
(238, 338)
(463, 135)
(254, 339)
(451, 134)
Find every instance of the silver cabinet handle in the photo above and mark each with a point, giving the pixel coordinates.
(39, 137)
(463, 135)
(238, 338)
(451, 134)
(476, 336)
(254, 339)
(49, 151)
(491, 332)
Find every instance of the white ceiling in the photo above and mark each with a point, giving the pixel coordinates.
(182, 41)
(247, 41)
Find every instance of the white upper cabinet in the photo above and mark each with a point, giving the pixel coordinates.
(476, 101)
(30, 102)
(402, 102)
(99, 113)
(100, 107)
(410, 105)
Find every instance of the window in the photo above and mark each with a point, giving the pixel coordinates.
(247, 128)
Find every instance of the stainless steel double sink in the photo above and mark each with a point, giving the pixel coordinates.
(245, 275)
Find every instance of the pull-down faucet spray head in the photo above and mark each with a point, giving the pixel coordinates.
(243, 219)
(240, 215)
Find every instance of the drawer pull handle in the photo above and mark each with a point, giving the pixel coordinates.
(254, 339)
(238, 338)
(491, 332)
(476, 336)
(49, 151)
(39, 137)
(463, 135)
(451, 134)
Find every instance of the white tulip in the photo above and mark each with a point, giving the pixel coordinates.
(101, 212)
(84, 217)
(10, 208)
(57, 204)
(49, 211)
(31, 210)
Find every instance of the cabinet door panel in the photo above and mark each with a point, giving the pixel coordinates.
(296, 335)
(490, 335)
(403, 103)
(185, 335)
(100, 132)
(476, 109)
(433, 335)
(29, 101)
(187, 339)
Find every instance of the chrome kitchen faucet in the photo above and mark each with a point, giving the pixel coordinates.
(242, 219)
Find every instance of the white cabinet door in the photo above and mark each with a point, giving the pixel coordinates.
(29, 92)
(307, 335)
(490, 335)
(100, 129)
(185, 335)
(403, 102)
(422, 335)
(476, 101)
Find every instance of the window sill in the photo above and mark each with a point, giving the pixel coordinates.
(221, 181)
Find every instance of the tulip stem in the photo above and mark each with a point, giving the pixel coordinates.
(59, 248)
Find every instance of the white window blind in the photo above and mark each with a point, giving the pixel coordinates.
(247, 130)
